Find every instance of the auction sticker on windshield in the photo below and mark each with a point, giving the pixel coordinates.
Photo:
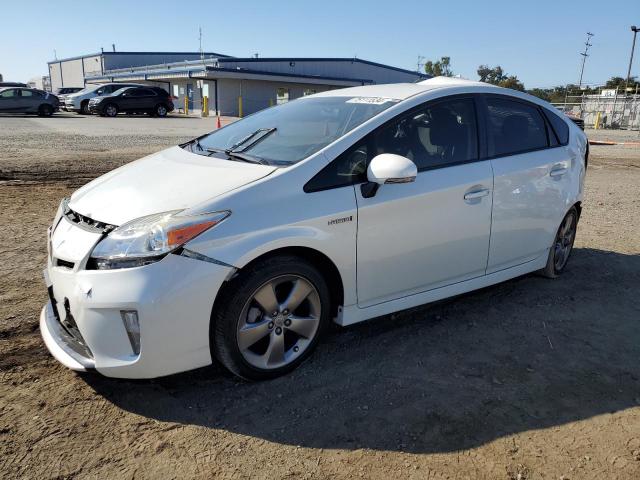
(371, 100)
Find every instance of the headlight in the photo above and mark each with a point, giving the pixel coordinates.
(148, 239)
(62, 208)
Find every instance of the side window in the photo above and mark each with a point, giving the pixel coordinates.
(514, 127)
(441, 134)
(559, 126)
(349, 168)
(9, 93)
(26, 93)
(145, 92)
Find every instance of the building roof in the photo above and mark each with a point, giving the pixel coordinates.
(77, 57)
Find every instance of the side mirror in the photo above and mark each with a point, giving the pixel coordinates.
(388, 168)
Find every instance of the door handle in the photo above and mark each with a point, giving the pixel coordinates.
(473, 194)
(558, 170)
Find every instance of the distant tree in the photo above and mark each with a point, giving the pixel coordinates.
(497, 76)
(620, 83)
(542, 93)
(439, 68)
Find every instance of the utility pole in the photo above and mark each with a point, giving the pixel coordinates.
(635, 30)
(200, 40)
(584, 56)
(420, 63)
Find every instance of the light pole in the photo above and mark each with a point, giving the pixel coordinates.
(634, 29)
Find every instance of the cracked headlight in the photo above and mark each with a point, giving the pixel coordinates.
(62, 208)
(148, 239)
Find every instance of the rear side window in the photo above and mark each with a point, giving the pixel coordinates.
(559, 126)
(514, 127)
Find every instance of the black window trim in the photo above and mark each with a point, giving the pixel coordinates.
(480, 128)
(485, 111)
(546, 117)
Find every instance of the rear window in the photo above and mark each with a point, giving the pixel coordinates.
(514, 127)
(560, 127)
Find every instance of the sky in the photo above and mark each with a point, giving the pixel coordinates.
(539, 41)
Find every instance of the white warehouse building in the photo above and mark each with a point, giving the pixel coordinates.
(234, 86)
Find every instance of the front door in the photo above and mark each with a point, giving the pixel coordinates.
(435, 231)
(9, 100)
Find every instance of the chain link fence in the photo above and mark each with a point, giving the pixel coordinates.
(616, 111)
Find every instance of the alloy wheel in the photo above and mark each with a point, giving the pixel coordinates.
(111, 110)
(279, 322)
(564, 241)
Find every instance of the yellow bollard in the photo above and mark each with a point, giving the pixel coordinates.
(596, 125)
(240, 106)
(186, 105)
(205, 106)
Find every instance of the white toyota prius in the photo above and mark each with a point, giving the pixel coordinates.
(244, 244)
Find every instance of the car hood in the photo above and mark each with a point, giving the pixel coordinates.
(172, 179)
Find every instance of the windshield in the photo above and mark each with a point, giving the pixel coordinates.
(291, 132)
(120, 91)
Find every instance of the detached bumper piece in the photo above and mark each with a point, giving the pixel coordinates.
(64, 344)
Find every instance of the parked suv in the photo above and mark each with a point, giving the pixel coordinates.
(63, 92)
(243, 244)
(79, 102)
(27, 100)
(152, 100)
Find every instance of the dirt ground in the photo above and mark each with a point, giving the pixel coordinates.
(530, 379)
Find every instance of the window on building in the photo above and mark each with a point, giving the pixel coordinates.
(514, 127)
(282, 95)
(309, 91)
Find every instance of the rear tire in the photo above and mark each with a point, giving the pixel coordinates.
(562, 245)
(45, 110)
(160, 110)
(110, 110)
(257, 344)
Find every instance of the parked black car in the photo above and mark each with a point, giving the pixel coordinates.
(152, 100)
(12, 84)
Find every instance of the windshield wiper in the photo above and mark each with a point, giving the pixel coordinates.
(261, 134)
(245, 157)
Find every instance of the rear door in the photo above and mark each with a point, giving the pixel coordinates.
(530, 171)
(435, 231)
(29, 100)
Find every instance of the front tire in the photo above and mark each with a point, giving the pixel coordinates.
(110, 110)
(270, 317)
(562, 245)
(84, 108)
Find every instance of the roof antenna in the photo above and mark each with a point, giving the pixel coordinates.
(113, 45)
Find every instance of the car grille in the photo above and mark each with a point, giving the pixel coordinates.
(87, 223)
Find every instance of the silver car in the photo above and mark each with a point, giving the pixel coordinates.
(27, 100)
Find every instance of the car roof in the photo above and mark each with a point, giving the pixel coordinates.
(401, 91)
